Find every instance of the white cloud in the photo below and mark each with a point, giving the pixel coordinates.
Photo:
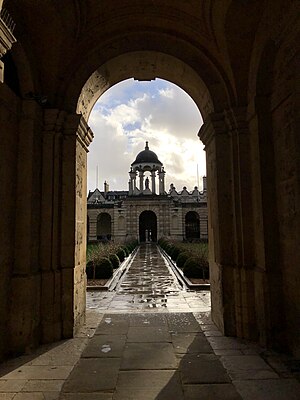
(161, 114)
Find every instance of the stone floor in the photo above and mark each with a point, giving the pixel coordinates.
(135, 346)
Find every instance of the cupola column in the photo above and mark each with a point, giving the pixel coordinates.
(132, 182)
(153, 181)
(161, 175)
(141, 175)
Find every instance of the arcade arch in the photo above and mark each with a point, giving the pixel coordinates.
(82, 49)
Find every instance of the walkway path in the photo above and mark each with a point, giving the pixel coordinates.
(135, 346)
(149, 286)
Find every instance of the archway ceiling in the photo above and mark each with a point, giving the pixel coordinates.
(71, 40)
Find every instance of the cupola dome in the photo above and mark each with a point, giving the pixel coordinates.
(146, 156)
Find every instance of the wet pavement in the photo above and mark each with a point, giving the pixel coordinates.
(149, 340)
(149, 285)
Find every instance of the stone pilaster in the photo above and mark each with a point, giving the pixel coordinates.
(93, 213)
(230, 230)
(63, 231)
(76, 138)
(25, 283)
(51, 306)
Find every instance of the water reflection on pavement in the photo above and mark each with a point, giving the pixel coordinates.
(149, 285)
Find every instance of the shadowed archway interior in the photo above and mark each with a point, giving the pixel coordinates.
(148, 226)
(65, 56)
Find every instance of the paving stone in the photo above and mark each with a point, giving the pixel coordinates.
(51, 395)
(29, 396)
(148, 356)
(203, 318)
(66, 353)
(39, 372)
(190, 343)
(113, 324)
(12, 385)
(220, 391)
(86, 396)
(247, 367)
(228, 352)
(148, 320)
(226, 343)
(144, 334)
(93, 375)
(183, 322)
(40, 385)
(104, 346)
(135, 385)
(7, 396)
(202, 368)
(269, 389)
(212, 333)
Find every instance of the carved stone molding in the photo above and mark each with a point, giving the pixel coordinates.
(6, 32)
(76, 124)
(214, 124)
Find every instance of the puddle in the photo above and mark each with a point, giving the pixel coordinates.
(149, 279)
(105, 348)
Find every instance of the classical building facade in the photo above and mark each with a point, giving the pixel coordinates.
(145, 212)
(239, 61)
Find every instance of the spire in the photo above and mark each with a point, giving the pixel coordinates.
(147, 147)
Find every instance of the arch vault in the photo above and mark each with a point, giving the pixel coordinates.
(67, 54)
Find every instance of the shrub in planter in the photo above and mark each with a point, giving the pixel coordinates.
(121, 254)
(181, 259)
(168, 249)
(192, 268)
(89, 270)
(126, 250)
(175, 253)
(103, 269)
(114, 259)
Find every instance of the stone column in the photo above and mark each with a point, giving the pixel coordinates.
(132, 183)
(141, 175)
(153, 181)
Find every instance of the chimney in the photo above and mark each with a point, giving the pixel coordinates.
(204, 184)
(106, 188)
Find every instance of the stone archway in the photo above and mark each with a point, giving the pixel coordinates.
(148, 226)
(78, 51)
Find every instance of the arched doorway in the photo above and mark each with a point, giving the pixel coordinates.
(148, 227)
(192, 226)
(104, 227)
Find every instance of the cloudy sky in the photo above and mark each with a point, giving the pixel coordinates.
(131, 113)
